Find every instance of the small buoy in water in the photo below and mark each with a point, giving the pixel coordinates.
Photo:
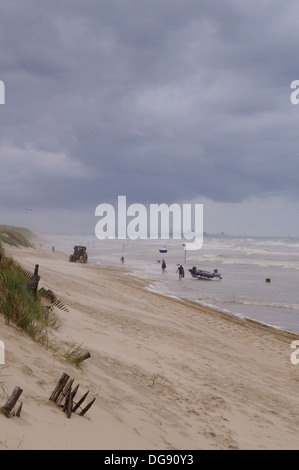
(268, 280)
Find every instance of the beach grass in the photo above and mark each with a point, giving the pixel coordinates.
(19, 306)
(28, 312)
(15, 236)
(74, 355)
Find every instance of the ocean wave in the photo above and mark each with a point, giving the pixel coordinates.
(259, 303)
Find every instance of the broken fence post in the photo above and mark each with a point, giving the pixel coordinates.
(59, 387)
(11, 402)
(18, 413)
(80, 402)
(64, 391)
(32, 284)
(87, 407)
(85, 356)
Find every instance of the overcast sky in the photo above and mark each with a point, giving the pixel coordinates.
(159, 100)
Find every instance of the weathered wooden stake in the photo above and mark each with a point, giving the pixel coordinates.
(75, 391)
(33, 281)
(64, 392)
(85, 356)
(18, 413)
(7, 408)
(69, 405)
(87, 407)
(63, 395)
(80, 402)
(59, 387)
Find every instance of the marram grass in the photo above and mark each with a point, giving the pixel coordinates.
(19, 306)
(28, 312)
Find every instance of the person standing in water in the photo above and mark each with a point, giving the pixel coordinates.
(163, 266)
(181, 272)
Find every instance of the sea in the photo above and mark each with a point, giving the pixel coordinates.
(259, 276)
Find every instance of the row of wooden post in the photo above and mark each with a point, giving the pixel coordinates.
(63, 396)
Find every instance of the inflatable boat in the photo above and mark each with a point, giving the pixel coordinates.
(200, 274)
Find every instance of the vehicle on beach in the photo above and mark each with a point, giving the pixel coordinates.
(80, 255)
(200, 274)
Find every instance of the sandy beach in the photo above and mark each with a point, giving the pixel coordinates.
(166, 374)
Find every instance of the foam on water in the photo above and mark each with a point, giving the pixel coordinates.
(245, 264)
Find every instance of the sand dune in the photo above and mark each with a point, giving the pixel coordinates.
(167, 374)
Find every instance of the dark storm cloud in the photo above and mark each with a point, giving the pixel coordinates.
(159, 100)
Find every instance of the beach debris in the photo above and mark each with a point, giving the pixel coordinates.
(11, 402)
(63, 395)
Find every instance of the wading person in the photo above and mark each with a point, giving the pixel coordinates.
(181, 272)
(163, 266)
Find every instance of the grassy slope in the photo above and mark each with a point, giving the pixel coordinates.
(18, 305)
(16, 236)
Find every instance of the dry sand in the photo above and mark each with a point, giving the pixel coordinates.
(167, 374)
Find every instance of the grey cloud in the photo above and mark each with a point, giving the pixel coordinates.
(160, 101)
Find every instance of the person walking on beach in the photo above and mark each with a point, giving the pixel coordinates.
(122, 259)
(163, 266)
(181, 272)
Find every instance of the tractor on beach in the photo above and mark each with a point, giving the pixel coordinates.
(80, 255)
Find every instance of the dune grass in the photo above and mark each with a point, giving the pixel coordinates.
(30, 313)
(15, 236)
(19, 306)
(74, 355)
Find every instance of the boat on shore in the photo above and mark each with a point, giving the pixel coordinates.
(201, 274)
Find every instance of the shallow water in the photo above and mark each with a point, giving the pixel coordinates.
(245, 264)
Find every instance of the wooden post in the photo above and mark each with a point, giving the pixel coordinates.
(18, 413)
(80, 402)
(87, 407)
(64, 392)
(85, 356)
(59, 387)
(69, 404)
(7, 408)
(34, 280)
(75, 391)
(67, 408)
(63, 395)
